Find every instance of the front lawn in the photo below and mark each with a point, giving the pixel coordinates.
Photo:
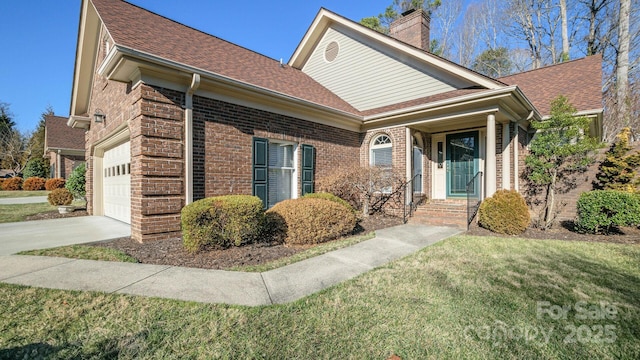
(19, 212)
(22, 193)
(465, 297)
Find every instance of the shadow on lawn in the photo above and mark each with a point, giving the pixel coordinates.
(131, 346)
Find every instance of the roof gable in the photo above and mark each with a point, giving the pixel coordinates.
(578, 80)
(327, 22)
(166, 39)
(59, 136)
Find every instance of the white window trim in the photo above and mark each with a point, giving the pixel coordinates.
(294, 173)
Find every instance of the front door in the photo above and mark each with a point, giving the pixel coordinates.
(462, 162)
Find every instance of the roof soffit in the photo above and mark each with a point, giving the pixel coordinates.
(86, 52)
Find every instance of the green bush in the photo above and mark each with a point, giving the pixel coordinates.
(331, 197)
(310, 220)
(36, 167)
(76, 182)
(33, 183)
(55, 183)
(505, 212)
(59, 197)
(600, 211)
(12, 184)
(222, 222)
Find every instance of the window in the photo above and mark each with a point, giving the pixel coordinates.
(275, 167)
(281, 170)
(381, 151)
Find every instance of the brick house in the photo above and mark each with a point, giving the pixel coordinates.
(173, 115)
(64, 147)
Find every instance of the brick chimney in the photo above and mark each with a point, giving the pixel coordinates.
(413, 28)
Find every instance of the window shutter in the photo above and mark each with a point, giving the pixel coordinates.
(308, 168)
(261, 170)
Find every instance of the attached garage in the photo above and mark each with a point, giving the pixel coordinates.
(116, 183)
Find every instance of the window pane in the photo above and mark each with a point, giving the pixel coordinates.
(280, 155)
(279, 185)
(381, 157)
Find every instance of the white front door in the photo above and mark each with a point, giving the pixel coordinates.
(117, 182)
(439, 170)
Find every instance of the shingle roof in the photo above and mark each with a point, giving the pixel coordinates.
(579, 80)
(136, 28)
(60, 136)
(423, 100)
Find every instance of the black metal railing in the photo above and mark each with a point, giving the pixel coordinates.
(410, 203)
(474, 197)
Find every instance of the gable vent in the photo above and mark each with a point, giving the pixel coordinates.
(331, 51)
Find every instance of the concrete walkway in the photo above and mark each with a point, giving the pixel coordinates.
(43, 234)
(23, 200)
(276, 286)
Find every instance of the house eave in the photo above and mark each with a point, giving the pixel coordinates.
(498, 97)
(79, 122)
(125, 65)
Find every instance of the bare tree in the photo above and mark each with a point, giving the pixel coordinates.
(444, 18)
(523, 15)
(565, 31)
(14, 150)
(622, 62)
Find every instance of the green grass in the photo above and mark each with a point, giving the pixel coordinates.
(306, 254)
(19, 212)
(437, 303)
(83, 252)
(22, 193)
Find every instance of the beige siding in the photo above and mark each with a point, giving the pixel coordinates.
(368, 78)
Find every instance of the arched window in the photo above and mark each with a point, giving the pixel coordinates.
(381, 151)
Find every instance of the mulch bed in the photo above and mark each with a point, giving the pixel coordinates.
(171, 251)
(54, 214)
(565, 231)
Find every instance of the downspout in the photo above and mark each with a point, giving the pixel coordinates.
(516, 153)
(188, 139)
(58, 166)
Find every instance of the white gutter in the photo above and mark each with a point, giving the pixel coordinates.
(483, 95)
(188, 139)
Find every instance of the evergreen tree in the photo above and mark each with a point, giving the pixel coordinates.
(559, 150)
(618, 170)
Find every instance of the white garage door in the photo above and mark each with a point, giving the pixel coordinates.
(117, 182)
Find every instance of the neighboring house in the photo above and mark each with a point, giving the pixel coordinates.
(174, 115)
(64, 147)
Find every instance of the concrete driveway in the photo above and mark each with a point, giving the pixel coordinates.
(42, 234)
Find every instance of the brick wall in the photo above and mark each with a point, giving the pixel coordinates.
(223, 144)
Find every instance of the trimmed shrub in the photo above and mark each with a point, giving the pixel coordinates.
(222, 221)
(59, 197)
(505, 212)
(76, 182)
(12, 184)
(331, 197)
(36, 168)
(601, 211)
(33, 183)
(55, 183)
(310, 220)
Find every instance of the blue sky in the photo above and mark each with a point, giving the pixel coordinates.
(38, 39)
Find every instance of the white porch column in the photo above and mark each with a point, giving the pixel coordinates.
(408, 161)
(490, 175)
(506, 156)
(516, 155)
